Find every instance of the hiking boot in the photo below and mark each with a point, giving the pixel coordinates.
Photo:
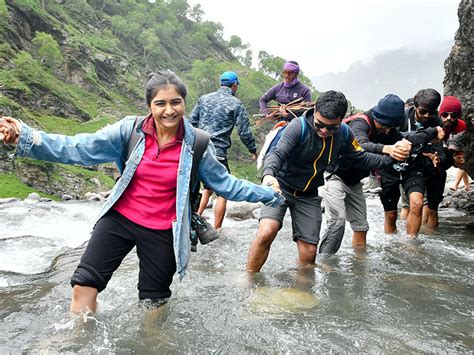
(205, 232)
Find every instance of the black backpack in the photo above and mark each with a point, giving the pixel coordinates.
(200, 145)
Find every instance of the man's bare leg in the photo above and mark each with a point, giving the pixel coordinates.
(306, 253)
(84, 299)
(390, 222)
(431, 216)
(414, 217)
(260, 247)
(205, 195)
(359, 239)
(219, 212)
(404, 213)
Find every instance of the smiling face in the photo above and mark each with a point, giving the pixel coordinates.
(167, 108)
(324, 126)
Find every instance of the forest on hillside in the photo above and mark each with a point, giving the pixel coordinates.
(72, 66)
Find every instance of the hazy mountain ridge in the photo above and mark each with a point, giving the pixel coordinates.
(402, 71)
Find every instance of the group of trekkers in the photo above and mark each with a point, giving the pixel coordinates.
(150, 206)
(406, 147)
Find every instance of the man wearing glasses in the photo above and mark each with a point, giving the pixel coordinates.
(423, 115)
(296, 168)
(376, 130)
(384, 117)
(450, 114)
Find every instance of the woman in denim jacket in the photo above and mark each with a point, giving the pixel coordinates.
(149, 207)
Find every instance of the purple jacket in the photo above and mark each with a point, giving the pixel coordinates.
(284, 95)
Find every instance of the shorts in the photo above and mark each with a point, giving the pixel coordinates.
(412, 182)
(223, 161)
(305, 213)
(113, 237)
(435, 189)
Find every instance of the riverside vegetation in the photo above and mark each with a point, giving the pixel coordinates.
(70, 66)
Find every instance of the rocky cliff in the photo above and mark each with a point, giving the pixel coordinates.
(458, 79)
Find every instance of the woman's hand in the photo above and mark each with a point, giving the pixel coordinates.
(271, 181)
(9, 130)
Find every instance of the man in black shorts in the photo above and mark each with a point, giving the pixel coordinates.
(384, 138)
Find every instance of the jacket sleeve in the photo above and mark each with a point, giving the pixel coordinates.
(194, 115)
(215, 175)
(285, 148)
(265, 99)
(360, 158)
(307, 95)
(105, 145)
(361, 131)
(244, 130)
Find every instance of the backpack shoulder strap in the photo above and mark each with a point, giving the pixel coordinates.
(345, 131)
(359, 115)
(303, 128)
(134, 137)
(200, 145)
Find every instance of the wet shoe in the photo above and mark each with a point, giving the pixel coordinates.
(205, 232)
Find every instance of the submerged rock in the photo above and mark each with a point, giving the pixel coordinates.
(286, 299)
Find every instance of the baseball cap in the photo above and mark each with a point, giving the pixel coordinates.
(229, 77)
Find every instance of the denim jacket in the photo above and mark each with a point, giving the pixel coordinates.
(110, 145)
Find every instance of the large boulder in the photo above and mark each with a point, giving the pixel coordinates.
(241, 210)
(458, 79)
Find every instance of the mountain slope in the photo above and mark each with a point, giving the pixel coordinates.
(70, 66)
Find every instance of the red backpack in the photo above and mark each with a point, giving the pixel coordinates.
(358, 115)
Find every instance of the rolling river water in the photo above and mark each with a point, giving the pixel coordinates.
(398, 296)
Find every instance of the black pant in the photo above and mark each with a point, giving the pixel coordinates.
(114, 236)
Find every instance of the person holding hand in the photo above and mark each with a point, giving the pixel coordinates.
(149, 207)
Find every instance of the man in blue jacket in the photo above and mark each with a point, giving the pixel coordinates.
(217, 113)
(296, 168)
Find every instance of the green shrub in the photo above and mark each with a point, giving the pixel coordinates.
(13, 187)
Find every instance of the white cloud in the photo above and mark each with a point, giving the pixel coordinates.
(325, 36)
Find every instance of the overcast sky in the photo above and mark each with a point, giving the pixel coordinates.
(328, 35)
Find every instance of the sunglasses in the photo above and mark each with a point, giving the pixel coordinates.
(423, 111)
(454, 115)
(331, 128)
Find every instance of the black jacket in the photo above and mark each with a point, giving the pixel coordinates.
(299, 165)
(410, 124)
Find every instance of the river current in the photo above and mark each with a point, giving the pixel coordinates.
(398, 296)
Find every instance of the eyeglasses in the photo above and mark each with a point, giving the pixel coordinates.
(423, 111)
(288, 72)
(454, 115)
(331, 128)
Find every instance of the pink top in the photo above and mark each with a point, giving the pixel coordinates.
(150, 198)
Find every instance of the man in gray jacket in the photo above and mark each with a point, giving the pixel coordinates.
(217, 113)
